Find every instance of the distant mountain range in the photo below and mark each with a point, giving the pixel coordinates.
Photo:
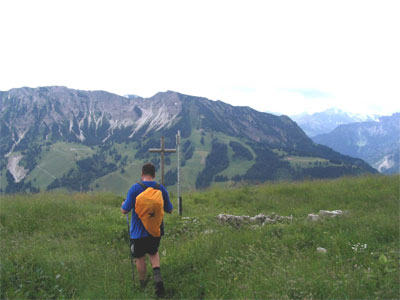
(60, 138)
(328, 120)
(377, 142)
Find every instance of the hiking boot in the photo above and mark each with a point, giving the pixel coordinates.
(160, 292)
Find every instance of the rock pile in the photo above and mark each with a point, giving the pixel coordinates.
(259, 219)
(325, 213)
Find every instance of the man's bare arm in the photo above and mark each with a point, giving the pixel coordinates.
(123, 210)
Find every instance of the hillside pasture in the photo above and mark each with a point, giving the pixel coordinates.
(75, 246)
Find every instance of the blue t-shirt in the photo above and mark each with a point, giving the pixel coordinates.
(137, 229)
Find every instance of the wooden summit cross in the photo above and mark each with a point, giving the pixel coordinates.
(162, 150)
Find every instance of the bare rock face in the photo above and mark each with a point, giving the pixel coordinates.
(93, 117)
(17, 171)
(259, 219)
(84, 116)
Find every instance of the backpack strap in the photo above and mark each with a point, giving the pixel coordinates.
(157, 186)
(142, 185)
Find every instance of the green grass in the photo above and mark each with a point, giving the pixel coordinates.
(197, 163)
(56, 160)
(57, 245)
(3, 178)
(114, 181)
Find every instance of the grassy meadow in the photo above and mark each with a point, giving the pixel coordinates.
(75, 246)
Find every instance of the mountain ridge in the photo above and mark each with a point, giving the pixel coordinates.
(377, 142)
(35, 123)
(327, 120)
(143, 114)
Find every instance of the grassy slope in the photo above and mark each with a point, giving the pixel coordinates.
(56, 160)
(75, 246)
(120, 183)
(3, 178)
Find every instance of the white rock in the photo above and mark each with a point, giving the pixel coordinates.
(330, 213)
(260, 219)
(313, 217)
(268, 221)
(321, 250)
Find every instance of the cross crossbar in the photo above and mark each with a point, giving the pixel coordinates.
(165, 150)
(162, 151)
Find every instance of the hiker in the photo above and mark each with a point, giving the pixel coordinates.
(147, 223)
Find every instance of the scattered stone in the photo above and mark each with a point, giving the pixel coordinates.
(259, 219)
(325, 213)
(321, 250)
(328, 213)
(271, 221)
(312, 217)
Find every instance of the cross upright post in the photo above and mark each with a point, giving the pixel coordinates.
(162, 151)
(178, 181)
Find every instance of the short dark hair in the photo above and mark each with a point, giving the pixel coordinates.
(149, 169)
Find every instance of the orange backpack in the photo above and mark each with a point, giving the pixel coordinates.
(150, 208)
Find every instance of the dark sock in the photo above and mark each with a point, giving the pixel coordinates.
(157, 274)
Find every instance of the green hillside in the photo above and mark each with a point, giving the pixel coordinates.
(55, 138)
(114, 167)
(56, 245)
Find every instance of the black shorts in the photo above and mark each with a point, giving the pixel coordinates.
(148, 244)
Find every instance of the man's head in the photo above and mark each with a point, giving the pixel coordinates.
(148, 170)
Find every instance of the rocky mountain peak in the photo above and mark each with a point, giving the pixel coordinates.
(33, 120)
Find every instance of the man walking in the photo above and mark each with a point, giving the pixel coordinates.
(148, 200)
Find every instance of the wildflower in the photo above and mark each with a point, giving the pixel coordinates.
(359, 247)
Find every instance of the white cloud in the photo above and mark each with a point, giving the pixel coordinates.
(348, 49)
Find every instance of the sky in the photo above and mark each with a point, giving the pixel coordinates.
(280, 56)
